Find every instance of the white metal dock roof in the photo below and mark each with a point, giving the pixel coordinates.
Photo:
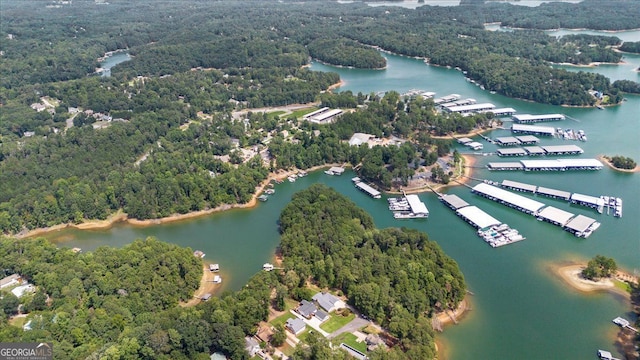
(528, 139)
(581, 162)
(542, 117)
(533, 129)
(553, 192)
(556, 215)
(580, 223)
(508, 197)
(562, 148)
(587, 199)
(454, 201)
(478, 217)
(507, 140)
(471, 107)
(505, 165)
(464, 140)
(417, 206)
(534, 150)
(368, 189)
(511, 151)
(501, 111)
(537, 164)
(519, 185)
(314, 113)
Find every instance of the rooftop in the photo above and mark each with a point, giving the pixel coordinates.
(555, 215)
(580, 223)
(478, 217)
(508, 197)
(454, 201)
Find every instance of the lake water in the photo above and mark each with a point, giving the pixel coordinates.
(112, 61)
(520, 309)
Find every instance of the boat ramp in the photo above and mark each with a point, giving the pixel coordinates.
(579, 225)
(491, 230)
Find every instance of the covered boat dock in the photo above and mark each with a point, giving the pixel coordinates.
(476, 217)
(511, 152)
(527, 139)
(453, 201)
(533, 129)
(417, 206)
(518, 186)
(368, 190)
(528, 118)
(534, 150)
(553, 193)
(507, 141)
(562, 150)
(507, 198)
(582, 226)
(555, 216)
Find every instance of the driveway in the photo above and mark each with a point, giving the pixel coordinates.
(355, 324)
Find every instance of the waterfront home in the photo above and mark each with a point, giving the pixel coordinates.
(296, 326)
(9, 281)
(328, 301)
(307, 309)
(251, 346)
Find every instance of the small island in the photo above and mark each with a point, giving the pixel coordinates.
(621, 163)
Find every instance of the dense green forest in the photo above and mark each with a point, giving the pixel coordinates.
(630, 46)
(345, 52)
(396, 276)
(123, 303)
(176, 146)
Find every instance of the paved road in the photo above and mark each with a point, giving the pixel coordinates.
(354, 325)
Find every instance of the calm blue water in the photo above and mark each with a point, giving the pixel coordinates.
(521, 310)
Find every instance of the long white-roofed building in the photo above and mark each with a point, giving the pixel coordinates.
(471, 108)
(528, 118)
(417, 206)
(533, 129)
(516, 201)
(477, 218)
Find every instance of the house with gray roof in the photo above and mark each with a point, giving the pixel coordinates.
(307, 309)
(296, 325)
(328, 301)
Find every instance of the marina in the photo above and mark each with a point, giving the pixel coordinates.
(580, 225)
(533, 130)
(491, 230)
(408, 207)
(549, 150)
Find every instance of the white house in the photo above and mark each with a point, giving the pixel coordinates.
(328, 301)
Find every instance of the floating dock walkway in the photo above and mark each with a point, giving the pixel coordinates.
(579, 225)
(491, 230)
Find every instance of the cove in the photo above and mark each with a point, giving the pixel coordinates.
(520, 310)
(112, 60)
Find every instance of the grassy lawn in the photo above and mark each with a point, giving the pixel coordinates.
(335, 322)
(351, 340)
(304, 334)
(280, 320)
(622, 285)
(287, 349)
(18, 321)
(301, 112)
(273, 114)
(290, 304)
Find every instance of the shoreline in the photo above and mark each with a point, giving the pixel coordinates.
(448, 317)
(121, 217)
(605, 159)
(569, 273)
